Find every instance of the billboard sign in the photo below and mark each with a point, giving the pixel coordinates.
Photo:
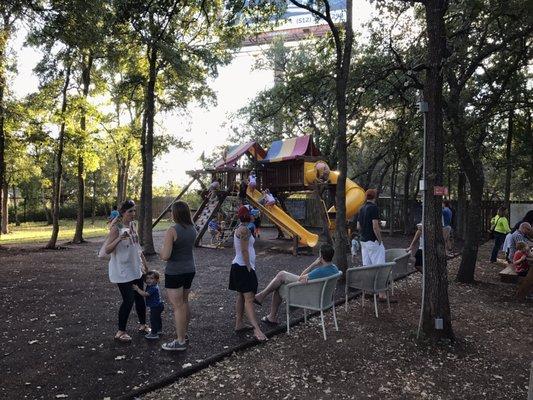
(296, 23)
(296, 17)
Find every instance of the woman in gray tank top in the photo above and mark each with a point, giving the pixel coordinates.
(177, 251)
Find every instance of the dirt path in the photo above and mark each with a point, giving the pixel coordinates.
(373, 358)
(59, 317)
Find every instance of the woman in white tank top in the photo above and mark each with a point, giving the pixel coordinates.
(243, 279)
(126, 268)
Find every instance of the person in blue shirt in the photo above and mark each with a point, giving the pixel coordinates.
(215, 228)
(154, 302)
(322, 267)
(447, 226)
(114, 214)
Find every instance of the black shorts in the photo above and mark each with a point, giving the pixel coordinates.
(523, 273)
(418, 258)
(241, 280)
(178, 281)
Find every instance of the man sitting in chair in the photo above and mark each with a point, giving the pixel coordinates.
(322, 267)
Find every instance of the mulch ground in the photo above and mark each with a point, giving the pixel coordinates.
(59, 317)
(59, 313)
(381, 358)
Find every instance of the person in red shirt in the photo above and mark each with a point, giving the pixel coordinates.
(520, 259)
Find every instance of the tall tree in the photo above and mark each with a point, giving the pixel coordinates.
(10, 12)
(58, 172)
(489, 42)
(184, 43)
(343, 39)
(436, 303)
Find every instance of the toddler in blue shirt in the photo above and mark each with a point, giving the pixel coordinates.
(154, 302)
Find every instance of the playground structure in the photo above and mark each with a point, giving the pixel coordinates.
(290, 166)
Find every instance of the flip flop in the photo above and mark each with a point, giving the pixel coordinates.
(266, 320)
(124, 338)
(244, 329)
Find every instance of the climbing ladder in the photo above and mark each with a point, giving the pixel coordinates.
(230, 222)
(208, 209)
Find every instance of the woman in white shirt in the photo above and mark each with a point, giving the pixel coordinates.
(126, 268)
(243, 279)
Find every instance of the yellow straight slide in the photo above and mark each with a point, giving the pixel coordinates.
(283, 220)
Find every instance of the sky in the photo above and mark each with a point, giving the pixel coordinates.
(236, 84)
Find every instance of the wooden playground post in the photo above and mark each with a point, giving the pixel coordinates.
(173, 201)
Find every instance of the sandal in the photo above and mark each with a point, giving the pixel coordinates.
(266, 320)
(244, 329)
(144, 329)
(123, 337)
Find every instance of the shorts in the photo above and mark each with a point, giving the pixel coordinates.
(446, 231)
(241, 280)
(418, 258)
(523, 272)
(178, 281)
(372, 253)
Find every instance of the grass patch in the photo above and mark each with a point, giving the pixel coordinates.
(36, 232)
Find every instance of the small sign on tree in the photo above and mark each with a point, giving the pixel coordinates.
(440, 191)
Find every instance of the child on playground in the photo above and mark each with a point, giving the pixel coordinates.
(154, 302)
(215, 227)
(355, 246)
(520, 259)
(257, 221)
(214, 187)
(252, 181)
(268, 200)
(242, 191)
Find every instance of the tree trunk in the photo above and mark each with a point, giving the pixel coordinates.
(384, 171)
(529, 134)
(508, 161)
(87, 65)
(93, 202)
(4, 36)
(15, 206)
(125, 179)
(471, 164)
(56, 196)
(147, 153)
(392, 208)
(461, 205)
(341, 83)
(407, 229)
(436, 303)
(78, 234)
(473, 226)
(120, 181)
(5, 208)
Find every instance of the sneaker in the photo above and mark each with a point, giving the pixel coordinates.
(174, 346)
(152, 336)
